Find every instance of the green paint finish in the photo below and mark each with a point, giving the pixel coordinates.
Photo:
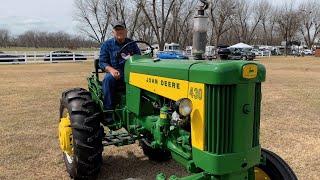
(223, 72)
(178, 158)
(175, 149)
(220, 101)
(132, 99)
(243, 117)
(231, 163)
(177, 69)
(232, 115)
(95, 88)
(198, 176)
(148, 123)
(208, 72)
(207, 176)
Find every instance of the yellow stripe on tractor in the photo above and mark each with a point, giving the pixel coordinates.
(176, 89)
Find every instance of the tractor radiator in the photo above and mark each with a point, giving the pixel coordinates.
(219, 126)
(257, 107)
(219, 118)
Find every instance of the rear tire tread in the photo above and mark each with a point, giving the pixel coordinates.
(86, 132)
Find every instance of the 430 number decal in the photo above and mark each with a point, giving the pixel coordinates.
(196, 93)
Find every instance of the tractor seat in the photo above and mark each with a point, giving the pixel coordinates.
(120, 85)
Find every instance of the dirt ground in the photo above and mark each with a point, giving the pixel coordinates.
(29, 101)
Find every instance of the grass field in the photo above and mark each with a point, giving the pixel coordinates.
(29, 101)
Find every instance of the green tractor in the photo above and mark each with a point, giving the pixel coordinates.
(203, 114)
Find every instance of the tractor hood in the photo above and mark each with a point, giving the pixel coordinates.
(170, 68)
(207, 72)
(227, 72)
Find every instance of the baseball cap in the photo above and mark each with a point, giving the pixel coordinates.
(119, 24)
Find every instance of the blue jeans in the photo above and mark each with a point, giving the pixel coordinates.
(109, 85)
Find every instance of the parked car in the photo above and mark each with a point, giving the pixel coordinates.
(10, 58)
(225, 54)
(266, 53)
(257, 52)
(307, 52)
(63, 55)
(171, 55)
(247, 55)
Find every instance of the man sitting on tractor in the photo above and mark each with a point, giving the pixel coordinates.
(113, 63)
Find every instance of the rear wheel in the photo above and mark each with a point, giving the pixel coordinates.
(80, 134)
(274, 168)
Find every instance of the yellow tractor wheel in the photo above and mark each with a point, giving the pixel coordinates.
(274, 167)
(80, 134)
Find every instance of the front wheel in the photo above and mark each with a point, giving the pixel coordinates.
(273, 168)
(154, 154)
(80, 134)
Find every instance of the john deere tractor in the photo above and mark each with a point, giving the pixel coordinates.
(203, 114)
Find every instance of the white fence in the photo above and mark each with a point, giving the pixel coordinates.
(46, 57)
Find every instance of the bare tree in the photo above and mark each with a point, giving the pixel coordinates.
(144, 31)
(157, 13)
(247, 19)
(220, 14)
(288, 22)
(185, 33)
(4, 38)
(52, 40)
(310, 21)
(94, 17)
(181, 22)
(127, 12)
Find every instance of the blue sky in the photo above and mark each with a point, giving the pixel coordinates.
(43, 15)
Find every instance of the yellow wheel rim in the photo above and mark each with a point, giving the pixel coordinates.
(65, 134)
(260, 174)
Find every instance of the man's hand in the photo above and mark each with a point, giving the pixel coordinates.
(115, 73)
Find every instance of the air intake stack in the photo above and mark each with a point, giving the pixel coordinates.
(200, 31)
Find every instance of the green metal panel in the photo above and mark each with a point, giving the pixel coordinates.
(133, 99)
(95, 88)
(226, 163)
(219, 118)
(223, 72)
(178, 69)
(208, 72)
(244, 117)
(232, 114)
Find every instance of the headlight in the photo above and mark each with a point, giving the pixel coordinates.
(184, 106)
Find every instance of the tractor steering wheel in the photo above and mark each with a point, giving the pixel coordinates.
(126, 45)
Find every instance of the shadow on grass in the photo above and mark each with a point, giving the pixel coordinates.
(135, 167)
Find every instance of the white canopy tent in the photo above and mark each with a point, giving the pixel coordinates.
(241, 46)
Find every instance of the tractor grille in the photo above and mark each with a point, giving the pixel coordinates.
(256, 123)
(219, 118)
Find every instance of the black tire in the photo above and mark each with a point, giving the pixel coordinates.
(154, 154)
(86, 134)
(275, 167)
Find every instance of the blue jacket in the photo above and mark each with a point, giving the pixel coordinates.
(109, 51)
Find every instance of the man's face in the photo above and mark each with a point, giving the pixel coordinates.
(120, 33)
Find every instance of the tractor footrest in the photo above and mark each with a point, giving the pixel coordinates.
(120, 139)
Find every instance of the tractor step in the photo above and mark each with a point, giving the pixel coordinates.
(119, 139)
